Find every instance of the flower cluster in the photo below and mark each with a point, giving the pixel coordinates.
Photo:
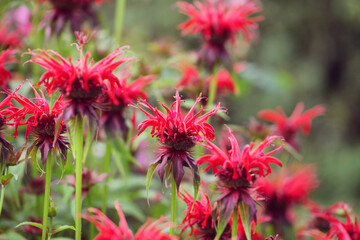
(81, 84)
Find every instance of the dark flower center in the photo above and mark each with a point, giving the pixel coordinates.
(45, 125)
(180, 141)
(79, 93)
(226, 177)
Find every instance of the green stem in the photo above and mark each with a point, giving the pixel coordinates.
(91, 228)
(2, 198)
(47, 195)
(173, 207)
(78, 144)
(234, 230)
(106, 169)
(50, 228)
(118, 20)
(212, 89)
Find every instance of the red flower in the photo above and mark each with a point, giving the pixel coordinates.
(35, 186)
(336, 229)
(115, 101)
(238, 170)
(109, 231)
(81, 84)
(288, 127)
(283, 191)
(76, 12)
(218, 22)
(192, 80)
(89, 179)
(31, 229)
(6, 57)
(41, 123)
(199, 217)
(9, 39)
(178, 135)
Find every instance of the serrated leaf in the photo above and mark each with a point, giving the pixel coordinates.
(34, 224)
(149, 175)
(5, 180)
(62, 228)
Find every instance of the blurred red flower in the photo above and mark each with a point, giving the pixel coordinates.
(81, 84)
(282, 191)
(89, 179)
(218, 22)
(335, 228)
(110, 231)
(238, 170)
(6, 57)
(288, 127)
(9, 38)
(178, 135)
(76, 12)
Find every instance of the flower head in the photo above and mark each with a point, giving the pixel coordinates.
(9, 38)
(288, 127)
(76, 12)
(238, 170)
(44, 123)
(89, 179)
(81, 84)
(6, 57)
(115, 101)
(283, 191)
(178, 134)
(199, 217)
(218, 22)
(35, 186)
(108, 230)
(336, 228)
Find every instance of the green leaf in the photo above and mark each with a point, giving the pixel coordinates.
(12, 236)
(224, 217)
(5, 180)
(34, 224)
(244, 215)
(33, 153)
(149, 175)
(62, 228)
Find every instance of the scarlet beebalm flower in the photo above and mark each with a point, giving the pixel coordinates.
(76, 12)
(115, 101)
(238, 170)
(288, 127)
(81, 84)
(9, 38)
(178, 135)
(89, 179)
(44, 123)
(282, 191)
(199, 217)
(336, 229)
(219, 22)
(6, 57)
(192, 80)
(110, 231)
